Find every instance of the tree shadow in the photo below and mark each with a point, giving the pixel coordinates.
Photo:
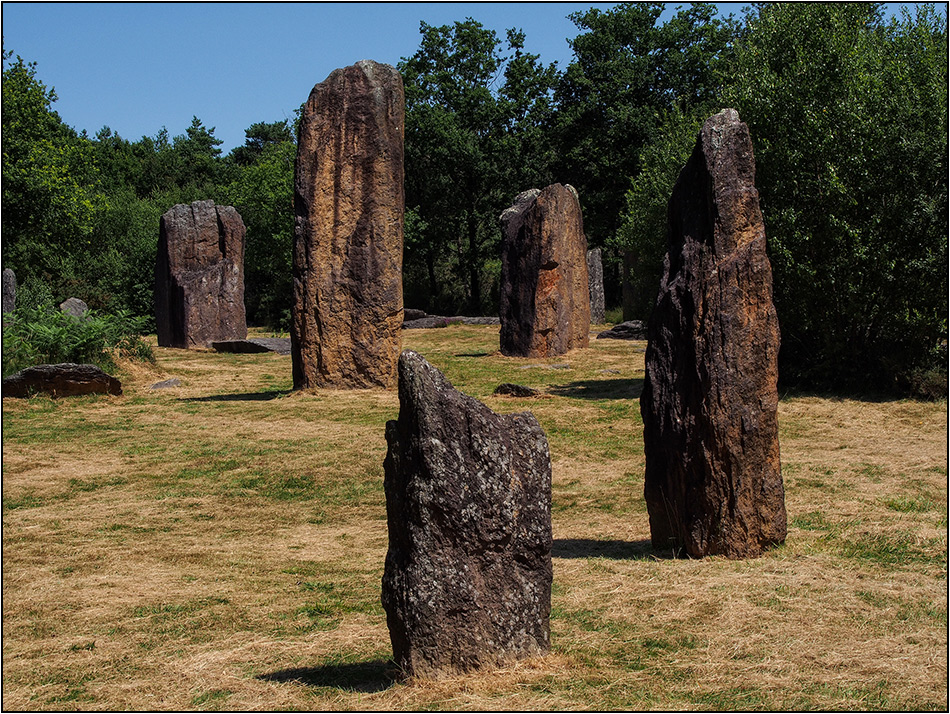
(599, 389)
(592, 548)
(366, 677)
(241, 396)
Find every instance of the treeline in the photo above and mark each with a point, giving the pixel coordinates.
(848, 115)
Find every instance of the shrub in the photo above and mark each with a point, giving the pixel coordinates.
(44, 335)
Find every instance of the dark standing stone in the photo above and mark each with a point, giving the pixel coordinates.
(713, 481)
(61, 380)
(467, 581)
(545, 298)
(74, 307)
(595, 280)
(199, 276)
(349, 203)
(9, 291)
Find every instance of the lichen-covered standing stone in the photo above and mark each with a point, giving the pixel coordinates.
(199, 276)
(713, 482)
(467, 581)
(545, 298)
(9, 291)
(595, 281)
(349, 205)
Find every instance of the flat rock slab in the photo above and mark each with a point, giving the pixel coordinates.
(60, 380)
(467, 581)
(280, 345)
(430, 321)
(629, 330)
(167, 384)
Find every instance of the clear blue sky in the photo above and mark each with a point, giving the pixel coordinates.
(137, 67)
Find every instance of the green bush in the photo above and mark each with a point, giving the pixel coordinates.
(44, 335)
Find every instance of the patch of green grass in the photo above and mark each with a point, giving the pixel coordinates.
(211, 699)
(894, 550)
(906, 504)
(811, 521)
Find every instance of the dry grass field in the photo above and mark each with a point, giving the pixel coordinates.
(220, 546)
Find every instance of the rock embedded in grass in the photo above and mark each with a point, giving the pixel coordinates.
(348, 237)
(545, 295)
(61, 380)
(713, 482)
(467, 581)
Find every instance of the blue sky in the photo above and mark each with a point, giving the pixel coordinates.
(137, 67)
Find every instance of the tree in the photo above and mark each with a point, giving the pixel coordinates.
(258, 137)
(50, 182)
(471, 146)
(848, 117)
(627, 75)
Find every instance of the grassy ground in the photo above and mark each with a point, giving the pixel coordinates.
(220, 546)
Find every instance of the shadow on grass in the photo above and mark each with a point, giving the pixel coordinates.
(474, 354)
(366, 677)
(599, 389)
(241, 397)
(591, 548)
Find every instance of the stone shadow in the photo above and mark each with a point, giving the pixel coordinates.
(592, 548)
(599, 389)
(241, 396)
(367, 677)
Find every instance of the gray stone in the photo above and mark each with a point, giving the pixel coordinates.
(595, 281)
(167, 384)
(74, 306)
(409, 314)
(9, 290)
(280, 345)
(629, 330)
(467, 580)
(515, 390)
(61, 380)
(430, 321)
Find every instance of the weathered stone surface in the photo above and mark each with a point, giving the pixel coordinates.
(515, 390)
(545, 299)
(280, 345)
(349, 205)
(629, 330)
(199, 276)
(60, 380)
(430, 321)
(9, 290)
(167, 384)
(467, 580)
(74, 306)
(713, 481)
(595, 282)
(408, 314)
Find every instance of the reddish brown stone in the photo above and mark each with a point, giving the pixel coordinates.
(61, 380)
(349, 204)
(713, 481)
(199, 276)
(545, 298)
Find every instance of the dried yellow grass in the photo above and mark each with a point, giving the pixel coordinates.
(220, 545)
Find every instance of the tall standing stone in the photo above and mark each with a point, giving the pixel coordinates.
(595, 282)
(9, 290)
(349, 205)
(713, 481)
(545, 298)
(467, 581)
(199, 276)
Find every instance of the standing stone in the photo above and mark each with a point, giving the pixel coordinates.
(9, 291)
(349, 204)
(545, 298)
(199, 276)
(713, 481)
(595, 281)
(467, 581)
